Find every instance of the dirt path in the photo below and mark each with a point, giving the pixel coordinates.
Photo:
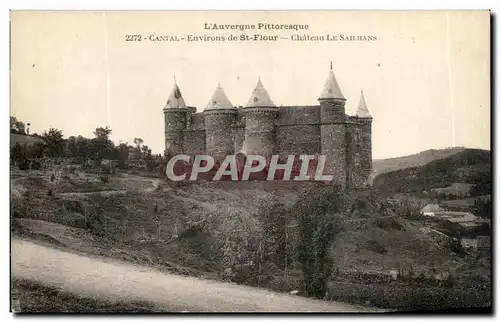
(113, 280)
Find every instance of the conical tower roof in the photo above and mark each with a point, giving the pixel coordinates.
(175, 99)
(362, 110)
(332, 88)
(219, 100)
(260, 97)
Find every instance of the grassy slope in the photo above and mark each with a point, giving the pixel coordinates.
(130, 223)
(466, 166)
(23, 139)
(414, 160)
(31, 297)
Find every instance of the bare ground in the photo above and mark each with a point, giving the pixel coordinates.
(118, 282)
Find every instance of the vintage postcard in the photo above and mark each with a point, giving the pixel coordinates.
(250, 161)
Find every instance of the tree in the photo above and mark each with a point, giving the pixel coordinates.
(317, 211)
(54, 142)
(138, 142)
(101, 146)
(17, 126)
(102, 133)
(123, 151)
(37, 150)
(273, 217)
(72, 146)
(482, 184)
(146, 150)
(16, 153)
(82, 147)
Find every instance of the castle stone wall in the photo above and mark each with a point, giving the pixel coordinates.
(350, 154)
(359, 129)
(260, 130)
(332, 111)
(365, 148)
(238, 137)
(238, 130)
(333, 139)
(194, 142)
(298, 130)
(293, 115)
(198, 121)
(175, 124)
(219, 140)
(298, 139)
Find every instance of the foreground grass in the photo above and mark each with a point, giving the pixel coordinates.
(31, 297)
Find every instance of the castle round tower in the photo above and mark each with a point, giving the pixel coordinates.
(260, 123)
(175, 112)
(220, 114)
(364, 140)
(333, 129)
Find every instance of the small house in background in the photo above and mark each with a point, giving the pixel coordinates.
(458, 221)
(461, 190)
(483, 221)
(430, 210)
(468, 243)
(456, 216)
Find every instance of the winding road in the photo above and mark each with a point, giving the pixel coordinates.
(114, 280)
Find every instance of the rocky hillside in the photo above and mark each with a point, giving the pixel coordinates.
(204, 226)
(214, 229)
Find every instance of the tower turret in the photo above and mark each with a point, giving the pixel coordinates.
(260, 123)
(175, 112)
(333, 129)
(219, 116)
(364, 140)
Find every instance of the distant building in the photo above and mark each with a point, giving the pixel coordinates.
(483, 221)
(430, 210)
(463, 222)
(469, 225)
(455, 189)
(456, 216)
(468, 243)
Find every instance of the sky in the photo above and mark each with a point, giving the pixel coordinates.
(426, 79)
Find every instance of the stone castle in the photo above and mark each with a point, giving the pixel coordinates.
(261, 127)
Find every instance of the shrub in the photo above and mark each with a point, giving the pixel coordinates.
(376, 247)
(317, 211)
(388, 223)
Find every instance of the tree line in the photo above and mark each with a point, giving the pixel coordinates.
(54, 145)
